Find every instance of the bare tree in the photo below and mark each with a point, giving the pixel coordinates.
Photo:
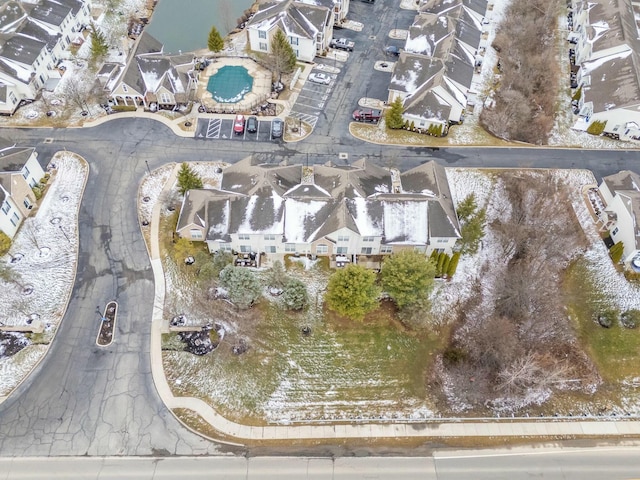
(77, 91)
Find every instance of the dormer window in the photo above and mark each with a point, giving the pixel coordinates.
(125, 89)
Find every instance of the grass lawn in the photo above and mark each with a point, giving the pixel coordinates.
(342, 369)
(615, 350)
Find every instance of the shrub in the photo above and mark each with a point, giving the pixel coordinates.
(445, 264)
(596, 128)
(630, 318)
(434, 257)
(606, 318)
(124, 108)
(616, 252)
(37, 191)
(578, 94)
(453, 265)
(5, 243)
(453, 355)
(439, 264)
(45, 179)
(412, 126)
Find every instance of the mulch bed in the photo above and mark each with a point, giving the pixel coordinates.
(107, 325)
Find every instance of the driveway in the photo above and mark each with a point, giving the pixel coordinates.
(312, 100)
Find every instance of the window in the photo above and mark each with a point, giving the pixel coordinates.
(13, 98)
(270, 237)
(125, 89)
(322, 248)
(6, 207)
(14, 219)
(262, 34)
(263, 46)
(615, 231)
(342, 250)
(293, 40)
(25, 172)
(243, 236)
(225, 247)
(368, 239)
(442, 240)
(245, 248)
(366, 250)
(41, 79)
(289, 247)
(165, 98)
(343, 238)
(27, 203)
(270, 249)
(196, 234)
(386, 249)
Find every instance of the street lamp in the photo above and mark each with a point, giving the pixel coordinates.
(102, 319)
(148, 169)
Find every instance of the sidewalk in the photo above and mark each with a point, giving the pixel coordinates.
(439, 428)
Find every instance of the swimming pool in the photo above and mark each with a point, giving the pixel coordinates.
(230, 84)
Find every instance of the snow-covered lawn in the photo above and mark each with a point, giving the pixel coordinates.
(43, 260)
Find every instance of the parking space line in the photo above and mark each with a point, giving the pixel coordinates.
(213, 128)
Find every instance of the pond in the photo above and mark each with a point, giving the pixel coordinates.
(183, 26)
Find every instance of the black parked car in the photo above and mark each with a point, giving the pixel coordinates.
(252, 124)
(277, 128)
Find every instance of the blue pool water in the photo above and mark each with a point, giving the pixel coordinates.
(230, 84)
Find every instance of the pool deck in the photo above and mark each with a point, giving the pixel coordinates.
(259, 94)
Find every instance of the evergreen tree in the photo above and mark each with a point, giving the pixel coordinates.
(352, 292)
(472, 222)
(467, 207)
(282, 58)
(278, 277)
(99, 45)
(243, 286)
(215, 41)
(407, 276)
(453, 264)
(394, 114)
(295, 296)
(188, 179)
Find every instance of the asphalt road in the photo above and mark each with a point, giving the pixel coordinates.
(579, 464)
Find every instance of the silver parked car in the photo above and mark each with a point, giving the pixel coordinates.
(322, 78)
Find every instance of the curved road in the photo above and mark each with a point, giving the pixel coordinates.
(83, 400)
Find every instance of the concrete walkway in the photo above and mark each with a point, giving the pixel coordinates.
(543, 428)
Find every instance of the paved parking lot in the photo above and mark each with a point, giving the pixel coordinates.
(312, 100)
(217, 128)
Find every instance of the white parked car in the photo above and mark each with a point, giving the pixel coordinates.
(320, 78)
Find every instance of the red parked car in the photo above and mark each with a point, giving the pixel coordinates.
(238, 125)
